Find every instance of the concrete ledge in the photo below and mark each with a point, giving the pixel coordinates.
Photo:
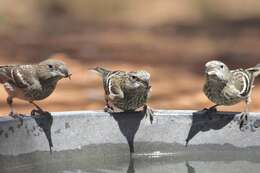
(74, 130)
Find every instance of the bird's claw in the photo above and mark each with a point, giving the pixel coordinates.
(17, 116)
(108, 109)
(148, 112)
(210, 110)
(37, 112)
(243, 120)
(33, 112)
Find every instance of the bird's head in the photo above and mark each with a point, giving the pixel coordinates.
(139, 79)
(53, 69)
(217, 70)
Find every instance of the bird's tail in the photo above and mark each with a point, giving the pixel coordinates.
(5, 73)
(100, 71)
(255, 70)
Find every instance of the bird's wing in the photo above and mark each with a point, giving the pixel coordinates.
(24, 75)
(230, 91)
(114, 89)
(5, 73)
(19, 75)
(241, 82)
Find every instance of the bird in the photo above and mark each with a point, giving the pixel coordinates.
(31, 82)
(125, 91)
(226, 87)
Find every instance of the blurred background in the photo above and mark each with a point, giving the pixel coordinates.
(171, 39)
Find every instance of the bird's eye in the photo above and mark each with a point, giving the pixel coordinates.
(134, 77)
(50, 66)
(221, 66)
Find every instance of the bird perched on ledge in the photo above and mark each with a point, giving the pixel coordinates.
(228, 87)
(31, 82)
(125, 91)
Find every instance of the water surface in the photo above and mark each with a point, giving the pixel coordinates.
(115, 159)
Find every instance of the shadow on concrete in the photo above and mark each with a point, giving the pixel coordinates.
(129, 123)
(205, 120)
(44, 120)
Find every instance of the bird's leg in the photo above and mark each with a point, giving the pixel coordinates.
(108, 108)
(148, 112)
(212, 108)
(12, 113)
(9, 101)
(209, 111)
(39, 109)
(244, 115)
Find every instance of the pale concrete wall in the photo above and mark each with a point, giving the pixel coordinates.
(73, 130)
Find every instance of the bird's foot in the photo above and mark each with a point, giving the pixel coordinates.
(210, 110)
(108, 109)
(243, 120)
(39, 109)
(148, 113)
(17, 116)
(37, 112)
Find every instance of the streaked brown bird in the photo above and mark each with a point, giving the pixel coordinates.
(31, 82)
(125, 91)
(228, 87)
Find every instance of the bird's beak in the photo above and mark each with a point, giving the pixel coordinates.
(69, 76)
(211, 72)
(146, 83)
(65, 72)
